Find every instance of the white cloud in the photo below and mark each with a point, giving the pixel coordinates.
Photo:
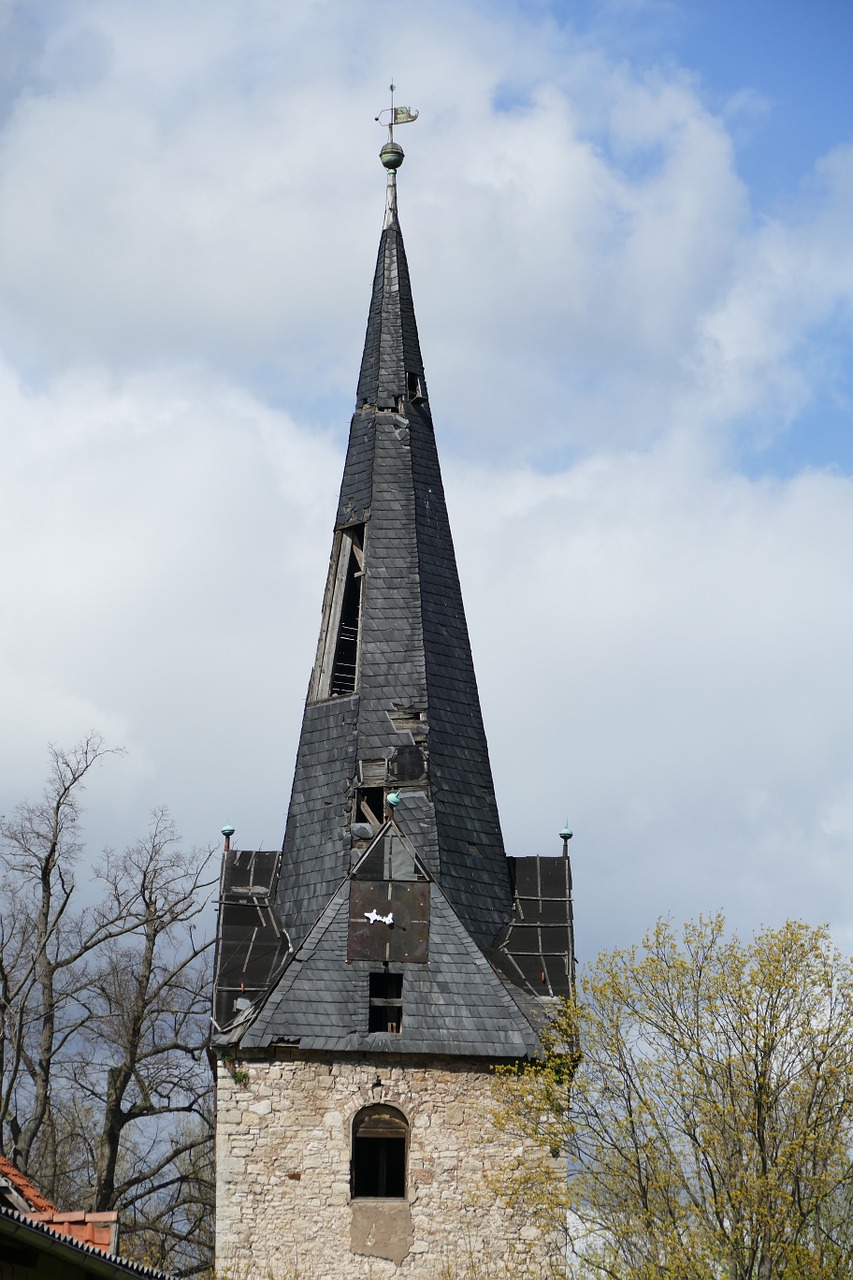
(589, 238)
(189, 207)
(170, 539)
(792, 277)
(171, 206)
(664, 655)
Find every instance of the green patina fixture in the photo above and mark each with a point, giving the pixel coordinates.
(392, 155)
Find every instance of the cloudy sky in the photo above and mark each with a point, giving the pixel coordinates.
(629, 229)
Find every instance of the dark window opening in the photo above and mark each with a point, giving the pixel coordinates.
(380, 1138)
(415, 388)
(407, 764)
(386, 1003)
(345, 662)
(370, 806)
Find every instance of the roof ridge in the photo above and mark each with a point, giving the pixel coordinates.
(25, 1186)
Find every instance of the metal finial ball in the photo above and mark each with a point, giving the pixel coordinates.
(566, 834)
(228, 830)
(391, 155)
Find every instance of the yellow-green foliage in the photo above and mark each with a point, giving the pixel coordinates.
(705, 1128)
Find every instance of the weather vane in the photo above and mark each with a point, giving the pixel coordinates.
(395, 115)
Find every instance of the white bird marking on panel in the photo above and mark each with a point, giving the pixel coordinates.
(375, 918)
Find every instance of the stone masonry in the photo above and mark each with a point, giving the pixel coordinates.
(283, 1174)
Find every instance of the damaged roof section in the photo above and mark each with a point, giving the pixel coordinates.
(393, 687)
(536, 950)
(393, 860)
(251, 944)
(456, 1004)
(389, 916)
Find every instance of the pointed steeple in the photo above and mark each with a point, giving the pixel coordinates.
(369, 977)
(391, 365)
(393, 702)
(393, 919)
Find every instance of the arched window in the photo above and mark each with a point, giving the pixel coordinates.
(380, 1145)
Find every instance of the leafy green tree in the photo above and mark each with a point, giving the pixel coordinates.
(705, 1128)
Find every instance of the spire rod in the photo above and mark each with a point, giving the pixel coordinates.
(392, 153)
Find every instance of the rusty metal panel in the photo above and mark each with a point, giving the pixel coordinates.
(410, 940)
(405, 938)
(369, 940)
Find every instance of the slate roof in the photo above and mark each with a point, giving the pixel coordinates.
(455, 1004)
(391, 347)
(415, 655)
(412, 723)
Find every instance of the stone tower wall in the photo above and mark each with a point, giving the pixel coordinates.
(284, 1208)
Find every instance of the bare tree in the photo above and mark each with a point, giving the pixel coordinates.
(173, 1228)
(104, 1008)
(43, 944)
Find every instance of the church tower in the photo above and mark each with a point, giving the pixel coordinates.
(371, 974)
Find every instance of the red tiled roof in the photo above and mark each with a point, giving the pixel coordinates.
(100, 1230)
(101, 1263)
(25, 1188)
(97, 1229)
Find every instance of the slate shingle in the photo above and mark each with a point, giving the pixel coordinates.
(415, 657)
